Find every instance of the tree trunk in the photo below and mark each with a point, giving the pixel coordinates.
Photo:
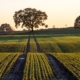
(32, 29)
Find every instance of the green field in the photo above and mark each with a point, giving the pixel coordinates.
(63, 44)
(7, 60)
(13, 43)
(60, 44)
(71, 61)
(37, 64)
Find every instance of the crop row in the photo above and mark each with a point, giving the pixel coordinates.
(3, 57)
(37, 68)
(12, 37)
(12, 43)
(59, 44)
(33, 47)
(7, 62)
(12, 47)
(69, 47)
(47, 43)
(49, 47)
(71, 61)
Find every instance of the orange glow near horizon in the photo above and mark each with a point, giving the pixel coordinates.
(60, 12)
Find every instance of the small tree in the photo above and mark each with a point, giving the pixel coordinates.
(5, 28)
(46, 26)
(77, 23)
(29, 18)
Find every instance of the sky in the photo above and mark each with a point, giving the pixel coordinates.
(60, 12)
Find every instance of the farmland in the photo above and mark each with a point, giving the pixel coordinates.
(11, 43)
(40, 56)
(37, 64)
(7, 60)
(71, 61)
(59, 43)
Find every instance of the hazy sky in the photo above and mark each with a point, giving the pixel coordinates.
(60, 12)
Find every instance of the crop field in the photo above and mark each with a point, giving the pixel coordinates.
(71, 61)
(12, 43)
(7, 60)
(63, 44)
(37, 68)
(40, 56)
(33, 47)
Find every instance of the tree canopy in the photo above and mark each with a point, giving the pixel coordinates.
(5, 28)
(30, 18)
(77, 23)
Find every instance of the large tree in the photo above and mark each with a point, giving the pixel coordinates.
(77, 23)
(30, 18)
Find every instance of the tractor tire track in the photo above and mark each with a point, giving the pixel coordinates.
(27, 48)
(16, 72)
(61, 72)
